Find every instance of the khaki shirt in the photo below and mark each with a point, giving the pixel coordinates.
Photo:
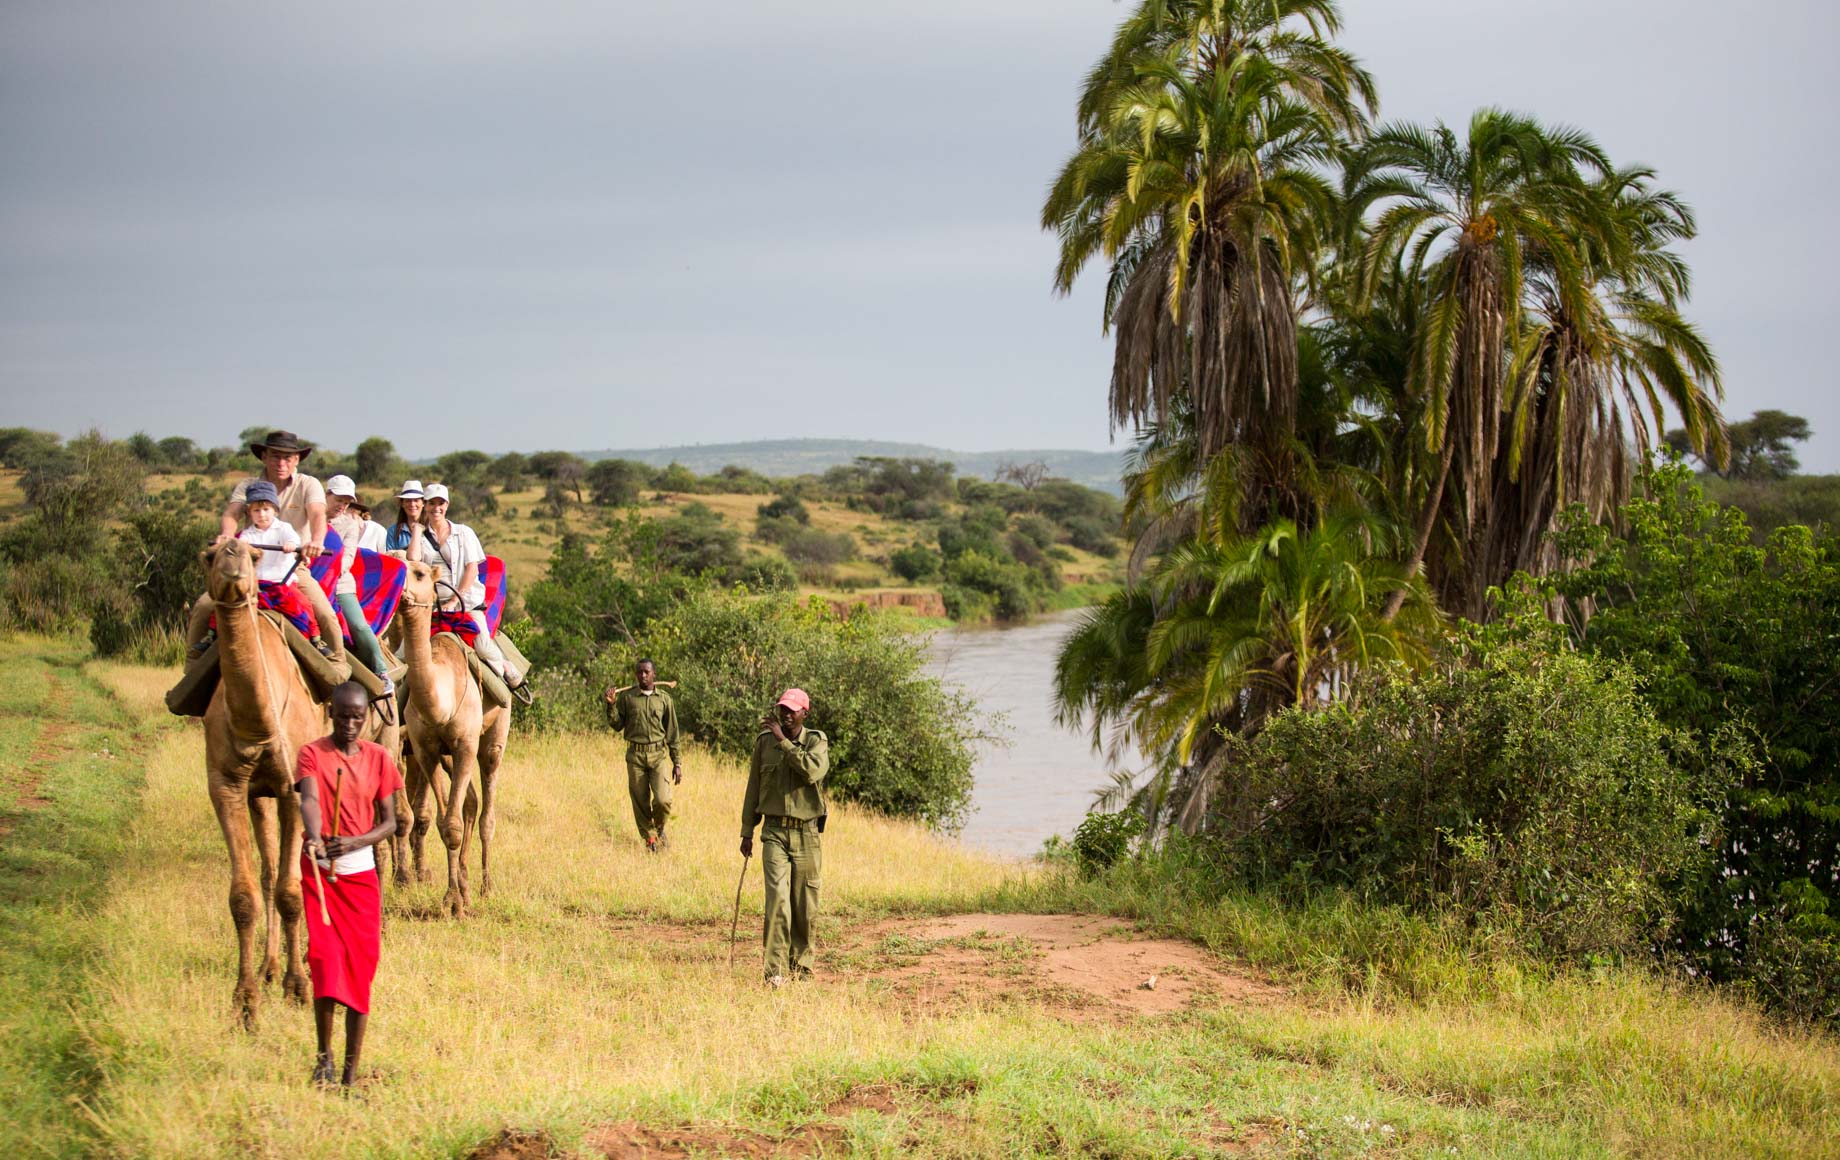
(644, 720)
(785, 779)
(301, 493)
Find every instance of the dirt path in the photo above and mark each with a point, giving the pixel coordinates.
(46, 749)
(1070, 966)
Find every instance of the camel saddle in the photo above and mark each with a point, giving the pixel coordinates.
(192, 695)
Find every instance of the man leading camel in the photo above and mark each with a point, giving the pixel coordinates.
(785, 797)
(301, 503)
(645, 715)
(347, 786)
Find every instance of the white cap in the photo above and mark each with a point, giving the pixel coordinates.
(435, 491)
(411, 489)
(342, 485)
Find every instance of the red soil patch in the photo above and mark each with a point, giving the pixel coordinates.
(634, 1141)
(1084, 966)
(512, 1144)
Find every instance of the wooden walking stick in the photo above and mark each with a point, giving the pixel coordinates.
(735, 926)
(336, 787)
(324, 916)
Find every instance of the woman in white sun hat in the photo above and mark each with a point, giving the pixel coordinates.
(352, 521)
(408, 514)
(456, 551)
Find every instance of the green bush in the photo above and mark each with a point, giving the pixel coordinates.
(1102, 840)
(915, 563)
(1523, 785)
(901, 742)
(811, 546)
(1728, 635)
(1091, 535)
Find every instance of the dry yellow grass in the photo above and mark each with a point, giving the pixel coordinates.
(550, 1007)
(594, 987)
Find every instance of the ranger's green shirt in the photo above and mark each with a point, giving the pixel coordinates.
(644, 720)
(785, 779)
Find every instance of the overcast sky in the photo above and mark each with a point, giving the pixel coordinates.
(594, 225)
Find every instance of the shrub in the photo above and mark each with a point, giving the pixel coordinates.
(1090, 535)
(616, 482)
(1103, 839)
(811, 546)
(783, 507)
(1525, 786)
(901, 742)
(915, 563)
(1037, 530)
(695, 541)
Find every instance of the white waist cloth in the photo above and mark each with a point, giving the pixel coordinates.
(356, 862)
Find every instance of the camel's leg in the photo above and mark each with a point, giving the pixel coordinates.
(245, 899)
(456, 825)
(420, 817)
(491, 753)
(289, 901)
(399, 841)
(262, 822)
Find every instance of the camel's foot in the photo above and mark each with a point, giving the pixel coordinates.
(455, 901)
(248, 1001)
(485, 885)
(271, 968)
(401, 876)
(294, 986)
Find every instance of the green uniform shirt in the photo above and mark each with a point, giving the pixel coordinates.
(784, 779)
(644, 720)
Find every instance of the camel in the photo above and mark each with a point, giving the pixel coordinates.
(448, 726)
(259, 717)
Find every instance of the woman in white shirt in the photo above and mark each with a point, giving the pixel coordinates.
(459, 554)
(357, 530)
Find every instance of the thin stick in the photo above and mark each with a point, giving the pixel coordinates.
(336, 787)
(658, 684)
(321, 883)
(735, 926)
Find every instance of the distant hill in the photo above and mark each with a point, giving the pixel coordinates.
(781, 457)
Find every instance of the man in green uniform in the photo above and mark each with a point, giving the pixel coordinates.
(785, 796)
(644, 714)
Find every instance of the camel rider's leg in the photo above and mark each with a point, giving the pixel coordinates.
(329, 635)
(200, 623)
(489, 652)
(363, 640)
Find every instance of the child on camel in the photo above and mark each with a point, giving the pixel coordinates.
(277, 571)
(346, 785)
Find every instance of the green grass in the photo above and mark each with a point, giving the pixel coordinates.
(593, 989)
(68, 787)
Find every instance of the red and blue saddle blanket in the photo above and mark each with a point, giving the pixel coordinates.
(461, 624)
(380, 587)
(287, 600)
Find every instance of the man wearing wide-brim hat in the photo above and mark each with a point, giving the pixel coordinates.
(302, 503)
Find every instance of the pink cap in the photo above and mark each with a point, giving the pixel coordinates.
(796, 700)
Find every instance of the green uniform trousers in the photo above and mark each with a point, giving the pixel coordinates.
(648, 780)
(792, 860)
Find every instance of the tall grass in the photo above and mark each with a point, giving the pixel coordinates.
(594, 986)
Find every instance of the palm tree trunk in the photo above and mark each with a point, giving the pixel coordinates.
(1427, 520)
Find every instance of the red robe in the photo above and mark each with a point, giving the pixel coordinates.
(342, 955)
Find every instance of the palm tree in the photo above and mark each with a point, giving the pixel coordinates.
(1228, 632)
(1198, 178)
(1599, 356)
(1462, 213)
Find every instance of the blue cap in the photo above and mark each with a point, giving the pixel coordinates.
(261, 491)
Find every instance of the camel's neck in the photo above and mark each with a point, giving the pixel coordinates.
(426, 688)
(254, 684)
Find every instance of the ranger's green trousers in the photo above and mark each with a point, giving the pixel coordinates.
(791, 860)
(648, 780)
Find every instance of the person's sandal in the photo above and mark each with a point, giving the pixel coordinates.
(325, 1075)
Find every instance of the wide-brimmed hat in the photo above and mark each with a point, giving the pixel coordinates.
(411, 489)
(436, 491)
(342, 485)
(281, 441)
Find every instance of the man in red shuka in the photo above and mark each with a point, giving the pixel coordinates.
(345, 786)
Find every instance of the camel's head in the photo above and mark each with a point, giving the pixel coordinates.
(418, 587)
(230, 571)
